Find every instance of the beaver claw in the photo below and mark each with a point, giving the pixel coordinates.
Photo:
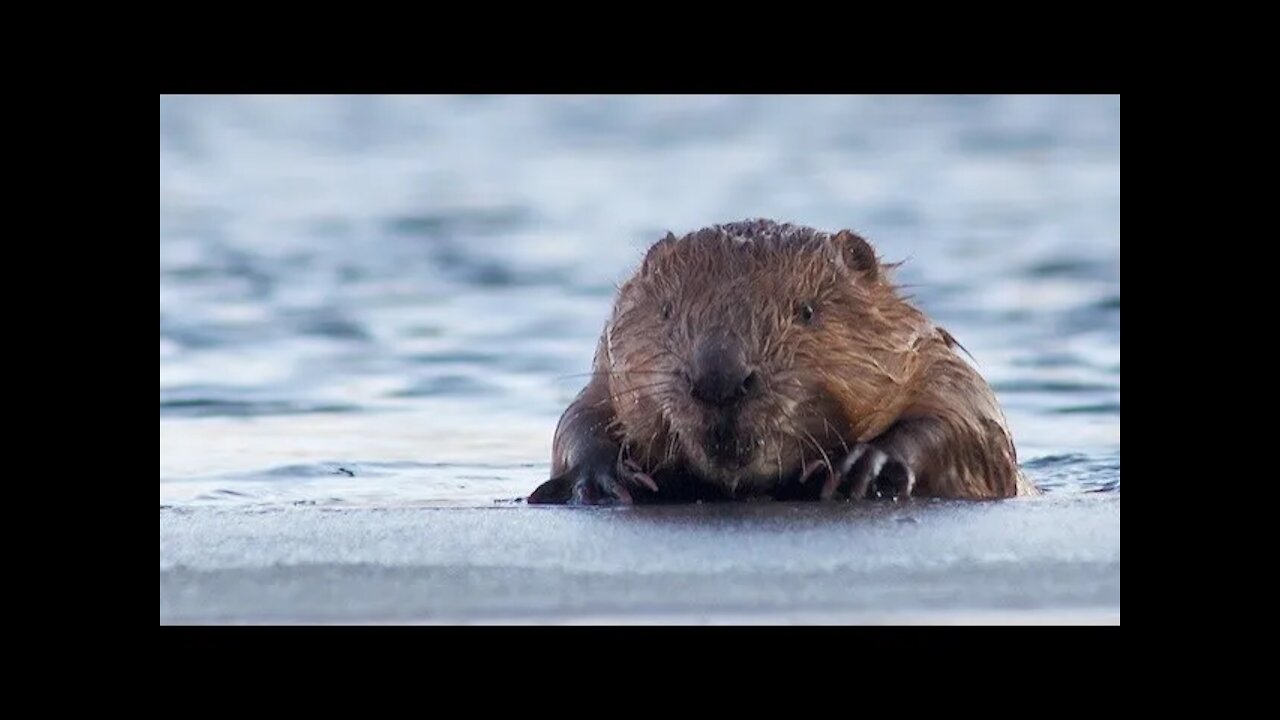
(869, 472)
(598, 483)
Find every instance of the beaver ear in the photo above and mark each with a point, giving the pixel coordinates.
(656, 251)
(857, 253)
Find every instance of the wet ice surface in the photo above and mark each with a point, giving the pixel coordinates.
(373, 310)
(785, 562)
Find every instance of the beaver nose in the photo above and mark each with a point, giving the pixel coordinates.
(721, 377)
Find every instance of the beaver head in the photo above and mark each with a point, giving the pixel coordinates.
(746, 349)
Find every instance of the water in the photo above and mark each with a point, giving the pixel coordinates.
(384, 302)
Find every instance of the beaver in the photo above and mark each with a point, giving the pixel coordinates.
(766, 360)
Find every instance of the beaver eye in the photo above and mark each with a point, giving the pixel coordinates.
(666, 311)
(806, 313)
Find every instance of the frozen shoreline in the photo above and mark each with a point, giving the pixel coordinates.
(1053, 560)
(1085, 616)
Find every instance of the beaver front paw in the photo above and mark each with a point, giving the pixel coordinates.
(599, 482)
(871, 473)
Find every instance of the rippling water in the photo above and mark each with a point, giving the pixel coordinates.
(389, 301)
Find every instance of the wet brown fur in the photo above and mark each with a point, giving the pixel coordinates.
(868, 367)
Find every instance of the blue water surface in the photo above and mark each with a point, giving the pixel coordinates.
(389, 301)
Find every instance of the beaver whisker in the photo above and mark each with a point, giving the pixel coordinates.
(648, 456)
(799, 446)
(629, 391)
(621, 373)
(831, 431)
(674, 354)
(800, 440)
(644, 361)
(818, 446)
(644, 386)
(777, 451)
